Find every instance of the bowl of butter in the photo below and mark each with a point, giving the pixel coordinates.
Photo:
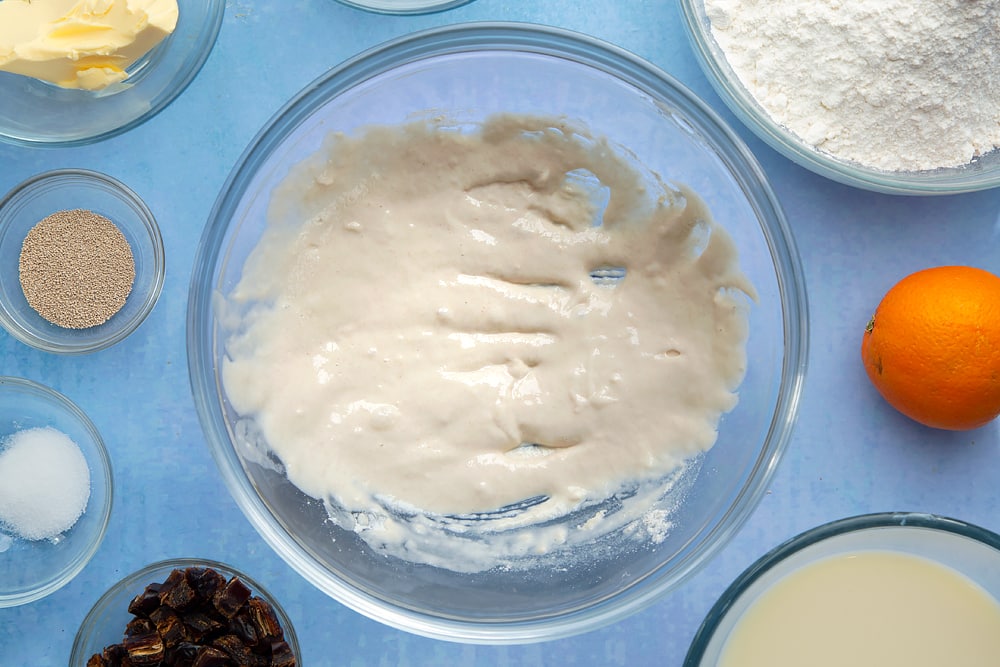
(496, 333)
(73, 73)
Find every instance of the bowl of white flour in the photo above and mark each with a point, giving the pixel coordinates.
(496, 333)
(897, 96)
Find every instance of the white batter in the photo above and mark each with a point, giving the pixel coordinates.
(424, 325)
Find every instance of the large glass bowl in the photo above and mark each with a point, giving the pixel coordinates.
(980, 174)
(471, 71)
(970, 551)
(37, 113)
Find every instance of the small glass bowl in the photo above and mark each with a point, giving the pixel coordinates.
(967, 549)
(30, 569)
(980, 174)
(105, 624)
(404, 6)
(38, 113)
(62, 189)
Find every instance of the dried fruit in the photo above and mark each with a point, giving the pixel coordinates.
(196, 618)
(241, 626)
(176, 592)
(200, 625)
(168, 626)
(145, 602)
(205, 581)
(265, 620)
(182, 655)
(231, 597)
(282, 655)
(211, 657)
(238, 651)
(144, 648)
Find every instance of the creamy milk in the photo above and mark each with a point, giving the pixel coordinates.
(869, 609)
(443, 323)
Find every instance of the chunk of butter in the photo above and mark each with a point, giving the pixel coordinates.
(81, 43)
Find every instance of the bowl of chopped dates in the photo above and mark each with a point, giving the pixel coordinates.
(186, 612)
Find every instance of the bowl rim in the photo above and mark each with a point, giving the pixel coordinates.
(516, 37)
(410, 8)
(777, 555)
(748, 111)
(114, 188)
(52, 396)
(206, 33)
(141, 577)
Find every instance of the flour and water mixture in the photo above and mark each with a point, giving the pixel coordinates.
(444, 330)
(898, 85)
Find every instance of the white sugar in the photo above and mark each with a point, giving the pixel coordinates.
(44, 483)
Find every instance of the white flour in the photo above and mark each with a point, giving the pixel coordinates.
(899, 85)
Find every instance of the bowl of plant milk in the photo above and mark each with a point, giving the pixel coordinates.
(879, 589)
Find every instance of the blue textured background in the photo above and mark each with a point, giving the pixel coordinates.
(850, 453)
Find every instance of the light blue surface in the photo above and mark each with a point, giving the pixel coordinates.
(850, 453)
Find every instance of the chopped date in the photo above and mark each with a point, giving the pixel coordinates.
(239, 652)
(200, 625)
(176, 592)
(144, 603)
(230, 598)
(264, 619)
(144, 649)
(139, 626)
(168, 625)
(211, 657)
(205, 581)
(114, 655)
(197, 618)
(282, 655)
(243, 627)
(182, 655)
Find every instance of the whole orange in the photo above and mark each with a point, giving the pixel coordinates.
(932, 348)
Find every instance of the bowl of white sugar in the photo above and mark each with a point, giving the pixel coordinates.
(55, 491)
(897, 97)
(81, 261)
(496, 333)
(895, 588)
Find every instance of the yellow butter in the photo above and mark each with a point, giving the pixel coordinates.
(81, 43)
